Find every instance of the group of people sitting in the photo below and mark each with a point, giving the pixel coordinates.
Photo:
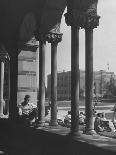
(67, 119)
(100, 123)
(28, 110)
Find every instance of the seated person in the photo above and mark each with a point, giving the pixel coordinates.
(107, 124)
(81, 118)
(98, 125)
(28, 110)
(67, 119)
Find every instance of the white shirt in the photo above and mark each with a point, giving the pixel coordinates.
(26, 109)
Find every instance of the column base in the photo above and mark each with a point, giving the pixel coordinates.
(2, 103)
(2, 116)
(89, 132)
(39, 124)
(53, 123)
(75, 134)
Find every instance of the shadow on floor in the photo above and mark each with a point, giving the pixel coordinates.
(18, 139)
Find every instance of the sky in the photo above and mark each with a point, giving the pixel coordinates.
(104, 42)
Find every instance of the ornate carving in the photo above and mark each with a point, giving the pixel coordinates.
(84, 16)
(54, 37)
(3, 54)
(50, 37)
(4, 57)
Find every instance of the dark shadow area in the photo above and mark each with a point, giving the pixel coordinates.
(19, 139)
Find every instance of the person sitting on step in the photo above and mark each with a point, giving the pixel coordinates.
(28, 110)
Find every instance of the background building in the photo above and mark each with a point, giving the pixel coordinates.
(27, 79)
(101, 78)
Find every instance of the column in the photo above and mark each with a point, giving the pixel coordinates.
(54, 38)
(89, 80)
(3, 58)
(70, 20)
(75, 81)
(91, 23)
(13, 109)
(8, 87)
(41, 94)
(37, 71)
(1, 87)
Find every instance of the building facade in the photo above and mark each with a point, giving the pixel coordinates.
(64, 83)
(27, 79)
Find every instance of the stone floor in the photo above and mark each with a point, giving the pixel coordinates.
(19, 139)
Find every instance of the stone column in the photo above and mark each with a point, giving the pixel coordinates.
(90, 21)
(7, 106)
(54, 38)
(70, 20)
(89, 80)
(82, 14)
(1, 87)
(13, 109)
(3, 57)
(41, 94)
(37, 70)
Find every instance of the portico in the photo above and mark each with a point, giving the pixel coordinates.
(45, 25)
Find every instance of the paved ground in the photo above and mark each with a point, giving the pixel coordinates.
(19, 139)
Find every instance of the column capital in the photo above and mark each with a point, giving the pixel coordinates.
(4, 57)
(87, 20)
(82, 14)
(51, 37)
(54, 37)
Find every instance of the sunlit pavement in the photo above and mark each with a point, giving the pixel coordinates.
(103, 140)
(96, 140)
(17, 139)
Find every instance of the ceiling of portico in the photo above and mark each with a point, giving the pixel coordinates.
(20, 19)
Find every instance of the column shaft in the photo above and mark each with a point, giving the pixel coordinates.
(13, 109)
(1, 87)
(53, 84)
(74, 80)
(37, 72)
(8, 88)
(41, 97)
(89, 79)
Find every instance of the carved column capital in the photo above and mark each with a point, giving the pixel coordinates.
(54, 37)
(81, 19)
(50, 37)
(4, 57)
(82, 14)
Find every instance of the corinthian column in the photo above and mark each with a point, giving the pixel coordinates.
(89, 21)
(3, 58)
(70, 20)
(1, 87)
(54, 38)
(41, 92)
(81, 14)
